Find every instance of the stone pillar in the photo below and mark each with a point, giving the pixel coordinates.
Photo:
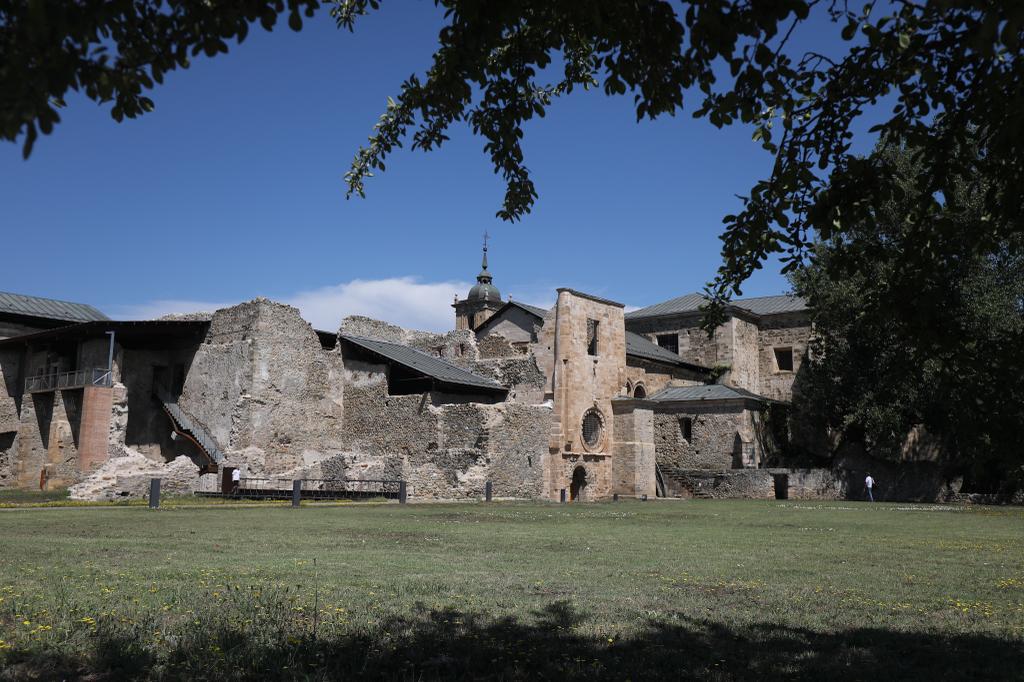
(633, 456)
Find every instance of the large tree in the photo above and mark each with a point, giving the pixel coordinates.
(499, 64)
(871, 379)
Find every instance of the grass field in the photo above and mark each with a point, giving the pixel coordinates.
(705, 589)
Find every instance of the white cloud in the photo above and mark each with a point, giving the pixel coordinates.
(405, 301)
(400, 300)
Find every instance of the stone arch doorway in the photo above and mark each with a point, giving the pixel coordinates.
(578, 484)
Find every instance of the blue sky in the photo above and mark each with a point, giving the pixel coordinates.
(232, 188)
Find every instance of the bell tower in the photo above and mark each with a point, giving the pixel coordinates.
(483, 299)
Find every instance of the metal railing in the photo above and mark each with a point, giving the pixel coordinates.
(186, 424)
(79, 378)
(315, 489)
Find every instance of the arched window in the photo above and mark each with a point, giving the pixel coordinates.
(639, 392)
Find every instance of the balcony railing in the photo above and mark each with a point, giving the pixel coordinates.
(79, 378)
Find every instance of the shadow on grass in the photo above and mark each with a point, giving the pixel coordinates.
(454, 644)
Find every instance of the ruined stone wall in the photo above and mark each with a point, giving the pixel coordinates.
(517, 447)
(717, 432)
(814, 484)
(42, 434)
(442, 451)
(10, 400)
(265, 388)
(46, 447)
(789, 331)
(758, 484)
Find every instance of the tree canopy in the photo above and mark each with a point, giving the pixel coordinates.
(500, 64)
(871, 379)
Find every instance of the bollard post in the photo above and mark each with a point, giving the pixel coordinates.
(615, 497)
(487, 491)
(403, 496)
(154, 493)
(296, 493)
(563, 496)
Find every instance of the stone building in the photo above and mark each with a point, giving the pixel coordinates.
(582, 399)
(759, 348)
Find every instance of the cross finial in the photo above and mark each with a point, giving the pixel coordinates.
(486, 237)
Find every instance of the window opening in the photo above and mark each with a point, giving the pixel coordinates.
(639, 392)
(686, 428)
(592, 327)
(669, 342)
(592, 428)
(784, 359)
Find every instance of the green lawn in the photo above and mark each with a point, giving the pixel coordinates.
(706, 589)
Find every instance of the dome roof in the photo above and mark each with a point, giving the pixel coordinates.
(484, 291)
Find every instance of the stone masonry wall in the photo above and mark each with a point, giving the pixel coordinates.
(633, 455)
(265, 388)
(714, 442)
(743, 360)
(581, 382)
(10, 397)
(445, 451)
(790, 331)
(694, 344)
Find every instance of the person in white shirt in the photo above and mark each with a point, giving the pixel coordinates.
(236, 480)
(869, 483)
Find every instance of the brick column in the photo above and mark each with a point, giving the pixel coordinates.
(94, 433)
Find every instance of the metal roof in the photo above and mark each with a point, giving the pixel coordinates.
(641, 347)
(708, 392)
(48, 308)
(772, 305)
(422, 363)
(691, 303)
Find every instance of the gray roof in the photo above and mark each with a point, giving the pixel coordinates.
(48, 308)
(691, 303)
(641, 347)
(532, 309)
(772, 305)
(709, 392)
(422, 363)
